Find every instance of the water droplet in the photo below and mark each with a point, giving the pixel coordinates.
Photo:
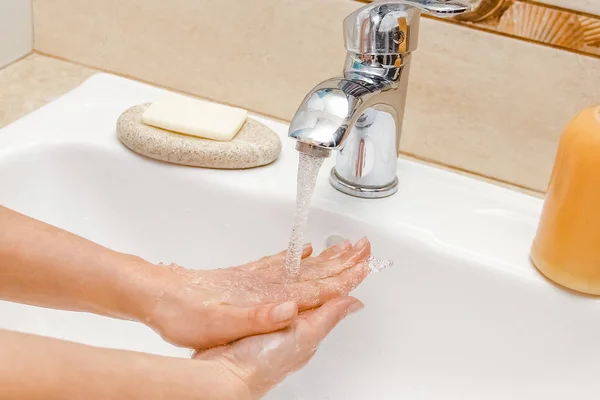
(377, 265)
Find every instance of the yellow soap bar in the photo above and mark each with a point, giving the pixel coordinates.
(183, 114)
(567, 245)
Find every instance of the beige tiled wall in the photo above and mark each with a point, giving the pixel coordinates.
(263, 55)
(494, 105)
(477, 101)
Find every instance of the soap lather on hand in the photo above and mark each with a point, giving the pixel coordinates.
(195, 117)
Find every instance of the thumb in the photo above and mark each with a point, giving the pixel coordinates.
(237, 322)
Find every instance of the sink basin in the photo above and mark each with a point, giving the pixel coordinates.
(463, 314)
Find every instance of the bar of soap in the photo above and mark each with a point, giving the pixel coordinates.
(195, 117)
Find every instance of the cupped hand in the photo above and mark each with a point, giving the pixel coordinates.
(261, 362)
(201, 309)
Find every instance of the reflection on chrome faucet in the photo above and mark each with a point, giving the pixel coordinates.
(361, 114)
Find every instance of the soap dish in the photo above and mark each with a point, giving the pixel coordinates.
(254, 145)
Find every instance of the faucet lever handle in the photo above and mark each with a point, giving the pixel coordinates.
(388, 27)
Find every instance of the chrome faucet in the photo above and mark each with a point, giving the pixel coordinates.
(361, 113)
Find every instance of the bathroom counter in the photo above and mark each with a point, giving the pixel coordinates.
(35, 80)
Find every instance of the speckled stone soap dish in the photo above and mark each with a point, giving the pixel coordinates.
(254, 145)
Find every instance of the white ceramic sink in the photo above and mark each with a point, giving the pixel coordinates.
(462, 315)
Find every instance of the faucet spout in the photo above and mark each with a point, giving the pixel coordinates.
(329, 112)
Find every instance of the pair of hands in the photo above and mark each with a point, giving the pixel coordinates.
(254, 320)
(257, 324)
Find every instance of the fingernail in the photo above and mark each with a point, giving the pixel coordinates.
(362, 243)
(284, 312)
(355, 307)
(307, 246)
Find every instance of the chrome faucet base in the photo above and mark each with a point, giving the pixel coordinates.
(362, 191)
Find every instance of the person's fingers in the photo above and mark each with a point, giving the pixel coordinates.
(232, 323)
(279, 258)
(274, 260)
(333, 251)
(307, 251)
(310, 294)
(320, 322)
(315, 270)
(359, 253)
